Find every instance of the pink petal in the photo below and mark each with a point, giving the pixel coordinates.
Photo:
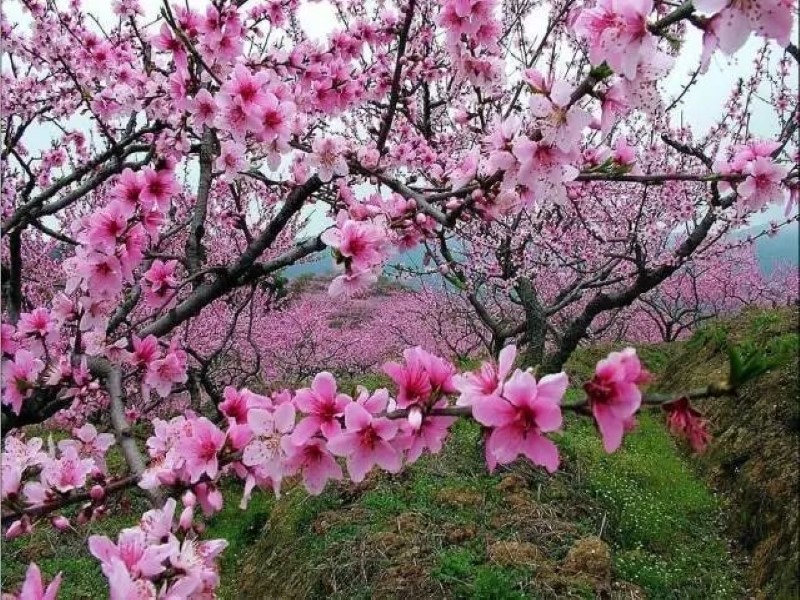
(304, 430)
(358, 465)
(284, 417)
(385, 455)
(548, 415)
(343, 444)
(506, 361)
(493, 411)
(356, 417)
(611, 428)
(552, 387)
(504, 443)
(325, 385)
(541, 451)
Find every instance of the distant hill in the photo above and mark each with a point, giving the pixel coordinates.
(783, 247)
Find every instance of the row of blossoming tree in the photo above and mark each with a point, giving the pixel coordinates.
(183, 150)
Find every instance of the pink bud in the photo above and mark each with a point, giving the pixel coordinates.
(420, 219)
(61, 522)
(453, 204)
(18, 528)
(444, 269)
(415, 417)
(189, 499)
(97, 493)
(186, 518)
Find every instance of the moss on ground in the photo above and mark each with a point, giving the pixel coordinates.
(754, 457)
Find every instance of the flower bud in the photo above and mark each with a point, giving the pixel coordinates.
(189, 499)
(18, 528)
(186, 518)
(415, 417)
(97, 493)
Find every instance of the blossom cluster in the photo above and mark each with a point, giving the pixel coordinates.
(152, 561)
(262, 440)
(763, 177)
(33, 476)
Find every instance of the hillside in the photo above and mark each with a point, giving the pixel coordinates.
(642, 523)
(754, 457)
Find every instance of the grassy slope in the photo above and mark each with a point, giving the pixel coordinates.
(755, 456)
(446, 528)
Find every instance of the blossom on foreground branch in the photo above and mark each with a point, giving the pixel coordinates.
(264, 440)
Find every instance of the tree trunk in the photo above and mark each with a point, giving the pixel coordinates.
(535, 324)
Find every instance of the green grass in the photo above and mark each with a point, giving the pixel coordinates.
(359, 541)
(663, 519)
(660, 519)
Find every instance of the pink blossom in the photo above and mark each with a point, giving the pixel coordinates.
(159, 282)
(313, 460)
(163, 373)
(33, 587)
(19, 378)
(156, 524)
(90, 443)
(361, 245)
(366, 442)
(68, 472)
(429, 435)
(200, 449)
(735, 19)
(323, 405)
(106, 228)
(422, 377)
(264, 453)
(328, 157)
(616, 31)
(102, 273)
(122, 586)
(684, 420)
(159, 188)
(204, 109)
(8, 345)
(231, 159)
(37, 323)
(352, 283)
(763, 183)
(128, 191)
(486, 382)
(10, 478)
(525, 411)
(560, 124)
(614, 394)
(145, 351)
(140, 557)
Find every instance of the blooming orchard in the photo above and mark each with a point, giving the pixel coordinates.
(187, 149)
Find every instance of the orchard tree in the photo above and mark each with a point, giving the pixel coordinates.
(718, 285)
(161, 168)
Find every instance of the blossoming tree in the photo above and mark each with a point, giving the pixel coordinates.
(182, 154)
